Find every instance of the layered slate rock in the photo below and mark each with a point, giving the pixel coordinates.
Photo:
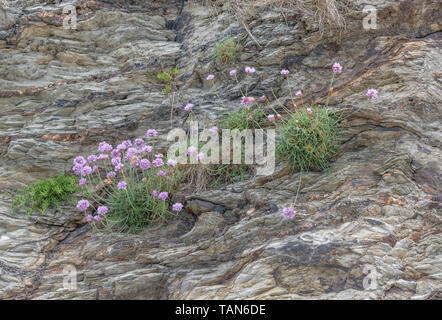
(376, 212)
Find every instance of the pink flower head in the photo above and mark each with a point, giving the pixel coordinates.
(82, 205)
(147, 149)
(122, 185)
(116, 161)
(104, 147)
(210, 77)
(127, 143)
(246, 101)
(159, 155)
(102, 210)
(337, 67)
(97, 218)
(285, 72)
(288, 212)
(278, 116)
(298, 93)
(92, 158)
(250, 70)
(119, 167)
(233, 72)
(94, 168)
(191, 150)
(115, 153)
(151, 133)
(111, 174)
(89, 218)
(80, 160)
(177, 207)
(199, 156)
(271, 117)
(161, 173)
(158, 162)
(135, 161)
(171, 163)
(372, 93)
(214, 129)
(130, 153)
(103, 156)
(139, 142)
(86, 171)
(154, 193)
(144, 164)
(263, 98)
(163, 195)
(188, 107)
(121, 147)
(77, 169)
(82, 181)
(309, 111)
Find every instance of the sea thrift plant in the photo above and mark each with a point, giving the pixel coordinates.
(372, 93)
(289, 212)
(128, 186)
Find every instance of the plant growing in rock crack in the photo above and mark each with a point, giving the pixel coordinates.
(128, 186)
(227, 50)
(249, 115)
(167, 77)
(45, 194)
(308, 134)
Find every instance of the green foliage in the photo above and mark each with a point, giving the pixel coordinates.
(45, 193)
(226, 50)
(245, 118)
(309, 141)
(166, 77)
(132, 209)
(228, 173)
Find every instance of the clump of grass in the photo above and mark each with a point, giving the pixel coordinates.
(132, 209)
(245, 118)
(309, 138)
(45, 194)
(227, 50)
(228, 173)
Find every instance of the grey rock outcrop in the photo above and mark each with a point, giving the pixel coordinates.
(375, 213)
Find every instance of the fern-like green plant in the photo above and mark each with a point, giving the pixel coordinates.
(45, 193)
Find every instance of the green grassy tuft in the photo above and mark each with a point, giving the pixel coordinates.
(309, 141)
(245, 118)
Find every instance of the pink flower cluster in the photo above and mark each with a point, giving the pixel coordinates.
(101, 210)
(288, 212)
(136, 155)
(372, 93)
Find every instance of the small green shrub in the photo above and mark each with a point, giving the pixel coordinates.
(45, 193)
(308, 141)
(245, 118)
(166, 77)
(227, 51)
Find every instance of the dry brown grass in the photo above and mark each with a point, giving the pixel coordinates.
(326, 13)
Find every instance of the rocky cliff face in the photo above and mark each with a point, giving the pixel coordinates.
(375, 214)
